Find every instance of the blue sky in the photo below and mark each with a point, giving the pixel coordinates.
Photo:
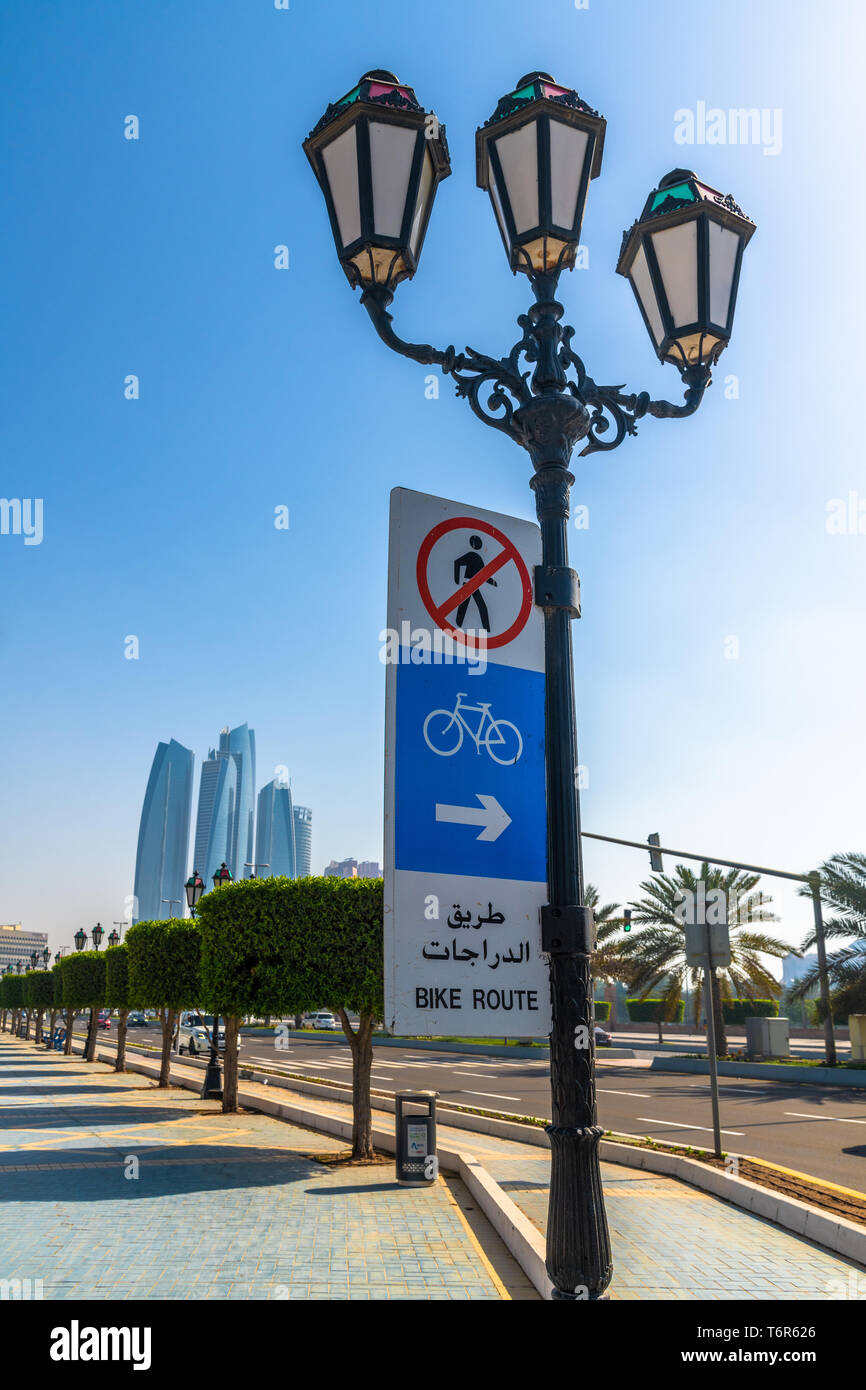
(261, 388)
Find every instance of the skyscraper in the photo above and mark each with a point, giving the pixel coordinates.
(226, 811)
(303, 818)
(163, 835)
(275, 831)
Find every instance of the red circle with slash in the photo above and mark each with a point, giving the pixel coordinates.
(508, 555)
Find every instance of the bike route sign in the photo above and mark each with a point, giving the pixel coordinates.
(465, 833)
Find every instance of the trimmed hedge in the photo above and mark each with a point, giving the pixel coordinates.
(39, 989)
(164, 963)
(601, 1009)
(12, 991)
(117, 977)
(281, 945)
(738, 1010)
(84, 980)
(655, 1010)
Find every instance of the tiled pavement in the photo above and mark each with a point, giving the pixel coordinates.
(114, 1189)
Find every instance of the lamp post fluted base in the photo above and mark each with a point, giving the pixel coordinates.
(578, 1245)
(212, 1086)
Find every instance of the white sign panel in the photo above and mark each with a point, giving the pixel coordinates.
(465, 832)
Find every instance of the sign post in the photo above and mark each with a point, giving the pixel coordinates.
(465, 849)
(708, 944)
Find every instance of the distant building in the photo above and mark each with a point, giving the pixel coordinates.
(369, 868)
(303, 818)
(795, 967)
(17, 944)
(163, 834)
(275, 831)
(344, 868)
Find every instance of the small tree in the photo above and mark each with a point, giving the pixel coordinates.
(117, 996)
(12, 988)
(279, 945)
(61, 1005)
(84, 988)
(164, 973)
(39, 996)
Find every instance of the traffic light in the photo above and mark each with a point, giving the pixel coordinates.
(626, 912)
(655, 857)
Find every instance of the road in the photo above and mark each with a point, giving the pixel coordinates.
(819, 1130)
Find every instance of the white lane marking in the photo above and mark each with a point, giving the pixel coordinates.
(840, 1119)
(653, 1120)
(480, 1075)
(491, 1095)
(612, 1091)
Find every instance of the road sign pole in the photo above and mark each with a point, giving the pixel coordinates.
(711, 1046)
(820, 946)
(578, 1245)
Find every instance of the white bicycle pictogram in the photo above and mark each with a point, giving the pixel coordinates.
(444, 730)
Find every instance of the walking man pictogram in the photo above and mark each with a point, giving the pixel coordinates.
(470, 564)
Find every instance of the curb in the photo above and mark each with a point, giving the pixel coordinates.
(762, 1071)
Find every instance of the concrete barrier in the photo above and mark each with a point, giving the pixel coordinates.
(764, 1071)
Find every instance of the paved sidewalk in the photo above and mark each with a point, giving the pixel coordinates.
(115, 1189)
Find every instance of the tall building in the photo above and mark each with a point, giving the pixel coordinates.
(163, 834)
(369, 868)
(275, 831)
(226, 809)
(16, 944)
(303, 818)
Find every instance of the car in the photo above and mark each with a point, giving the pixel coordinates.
(136, 1020)
(194, 1033)
(602, 1039)
(323, 1020)
(104, 1019)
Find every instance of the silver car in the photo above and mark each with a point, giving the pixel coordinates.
(194, 1033)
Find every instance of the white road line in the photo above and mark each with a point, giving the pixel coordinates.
(840, 1119)
(491, 1095)
(612, 1091)
(480, 1075)
(653, 1120)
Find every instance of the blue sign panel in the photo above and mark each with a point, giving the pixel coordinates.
(469, 771)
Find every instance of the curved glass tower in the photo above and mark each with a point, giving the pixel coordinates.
(241, 747)
(215, 829)
(275, 831)
(163, 835)
(303, 818)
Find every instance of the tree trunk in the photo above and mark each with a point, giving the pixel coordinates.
(120, 1059)
(718, 1016)
(299, 1022)
(361, 1044)
(661, 1035)
(52, 1025)
(90, 1050)
(27, 1024)
(37, 1035)
(610, 996)
(167, 1017)
(230, 1064)
(2, 1020)
(70, 1019)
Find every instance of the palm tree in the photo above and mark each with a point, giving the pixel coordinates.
(607, 962)
(658, 955)
(843, 890)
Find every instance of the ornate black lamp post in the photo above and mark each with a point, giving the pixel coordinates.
(97, 935)
(194, 887)
(57, 957)
(114, 937)
(34, 959)
(80, 939)
(46, 956)
(212, 1084)
(536, 156)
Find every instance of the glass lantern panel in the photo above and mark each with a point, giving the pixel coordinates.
(392, 148)
(422, 202)
(497, 208)
(341, 166)
(676, 251)
(724, 245)
(518, 155)
(681, 193)
(640, 278)
(567, 155)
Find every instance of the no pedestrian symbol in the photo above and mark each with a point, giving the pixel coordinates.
(453, 578)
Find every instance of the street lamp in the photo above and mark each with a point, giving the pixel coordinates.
(252, 864)
(97, 935)
(212, 1085)
(535, 157)
(114, 937)
(58, 956)
(34, 958)
(80, 939)
(19, 966)
(194, 888)
(46, 956)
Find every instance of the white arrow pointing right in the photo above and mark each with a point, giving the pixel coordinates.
(491, 816)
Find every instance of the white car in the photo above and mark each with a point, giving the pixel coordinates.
(323, 1020)
(194, 1033)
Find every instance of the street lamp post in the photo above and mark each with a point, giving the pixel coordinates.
(379, 157)
(194, 887)
(97, 935)
(80, 939)
(172, 902)
(251, 864)
(114, 937)
(212, 1085)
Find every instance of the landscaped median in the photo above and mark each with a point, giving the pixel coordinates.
(844, 1074)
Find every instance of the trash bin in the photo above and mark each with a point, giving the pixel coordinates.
(417, 1164)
